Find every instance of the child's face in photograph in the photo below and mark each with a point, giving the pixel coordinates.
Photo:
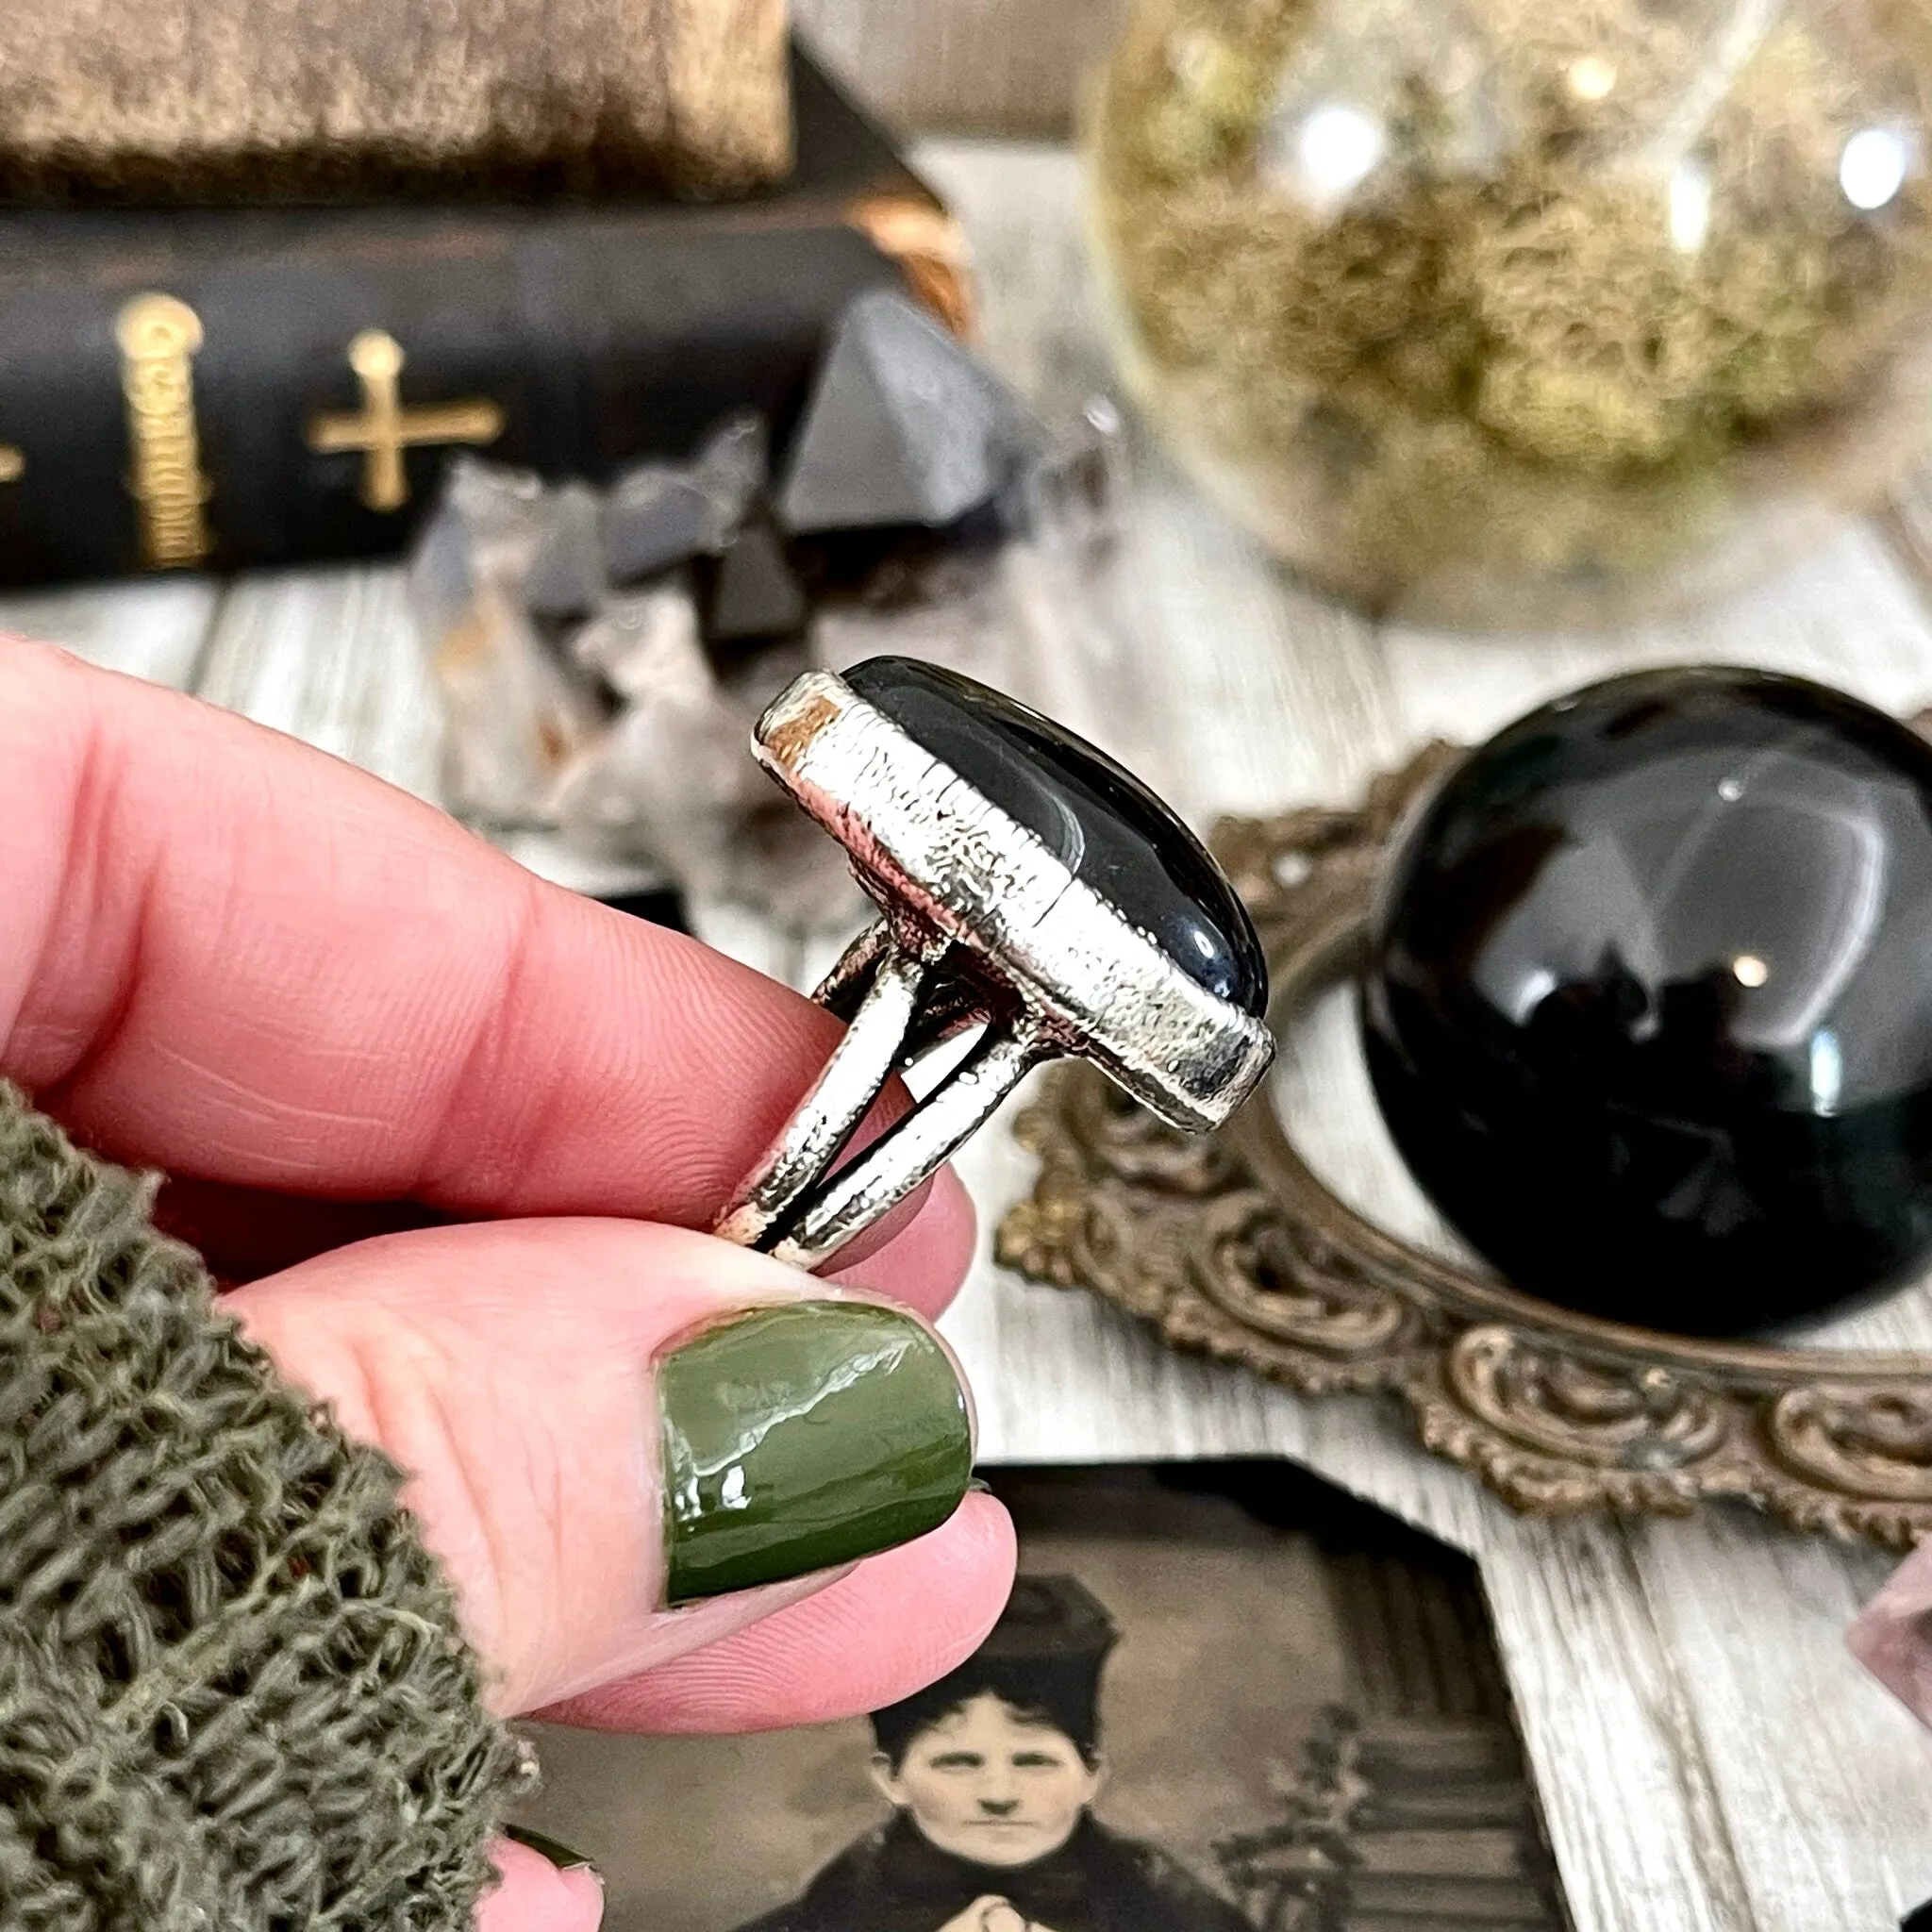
(991, 1785)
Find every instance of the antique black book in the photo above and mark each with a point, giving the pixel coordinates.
(225, 387)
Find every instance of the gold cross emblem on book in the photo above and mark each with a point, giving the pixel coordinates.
(382, 429)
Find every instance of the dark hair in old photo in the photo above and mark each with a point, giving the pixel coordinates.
(1043, 1660)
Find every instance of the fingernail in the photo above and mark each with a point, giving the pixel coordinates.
(804, 1436)
(560, 1854)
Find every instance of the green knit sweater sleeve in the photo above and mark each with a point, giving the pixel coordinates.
(233, 1691)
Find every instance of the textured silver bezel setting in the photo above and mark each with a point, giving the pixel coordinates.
(981, 920)
(924, 839)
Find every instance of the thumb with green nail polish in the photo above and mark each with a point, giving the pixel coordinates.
(628, 1442)
(804, 1436)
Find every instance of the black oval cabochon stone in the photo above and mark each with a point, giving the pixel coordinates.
(1094, 816)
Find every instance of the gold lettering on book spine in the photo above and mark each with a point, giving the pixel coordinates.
(158, 336)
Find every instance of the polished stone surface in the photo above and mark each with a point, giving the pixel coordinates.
(1649, 1003)
(1096, 818)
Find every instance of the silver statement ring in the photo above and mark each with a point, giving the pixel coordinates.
(1027, 885)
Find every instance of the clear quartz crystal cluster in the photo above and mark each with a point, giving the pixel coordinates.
(602, 654)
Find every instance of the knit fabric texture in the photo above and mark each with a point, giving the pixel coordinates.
(233, 1692)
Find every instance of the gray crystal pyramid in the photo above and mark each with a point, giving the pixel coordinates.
(904, 427)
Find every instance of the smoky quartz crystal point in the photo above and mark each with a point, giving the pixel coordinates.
(1096, 818)
(906, 426)
(1649, 1003)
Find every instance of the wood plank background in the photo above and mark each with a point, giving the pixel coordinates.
(1710, 1756)
(964, 66)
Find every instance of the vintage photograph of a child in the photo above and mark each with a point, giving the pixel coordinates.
(991, 1774)
(1222, 1698)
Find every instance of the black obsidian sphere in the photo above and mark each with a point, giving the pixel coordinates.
(1649, 1003)
(1093, 815)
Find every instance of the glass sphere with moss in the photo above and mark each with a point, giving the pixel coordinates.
(1505, 313)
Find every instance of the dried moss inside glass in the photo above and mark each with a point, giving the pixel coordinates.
(1516, 312)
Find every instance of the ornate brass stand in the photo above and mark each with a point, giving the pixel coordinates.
(1232, 1247)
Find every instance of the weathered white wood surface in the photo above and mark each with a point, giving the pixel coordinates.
(155, 629)
(331, 657)
(1709, 1758)
(972, 66)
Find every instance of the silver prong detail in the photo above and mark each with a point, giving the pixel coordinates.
(829, 1115)
(914, 1148)
(844, 989)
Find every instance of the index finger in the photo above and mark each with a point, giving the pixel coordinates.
(237, 958)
